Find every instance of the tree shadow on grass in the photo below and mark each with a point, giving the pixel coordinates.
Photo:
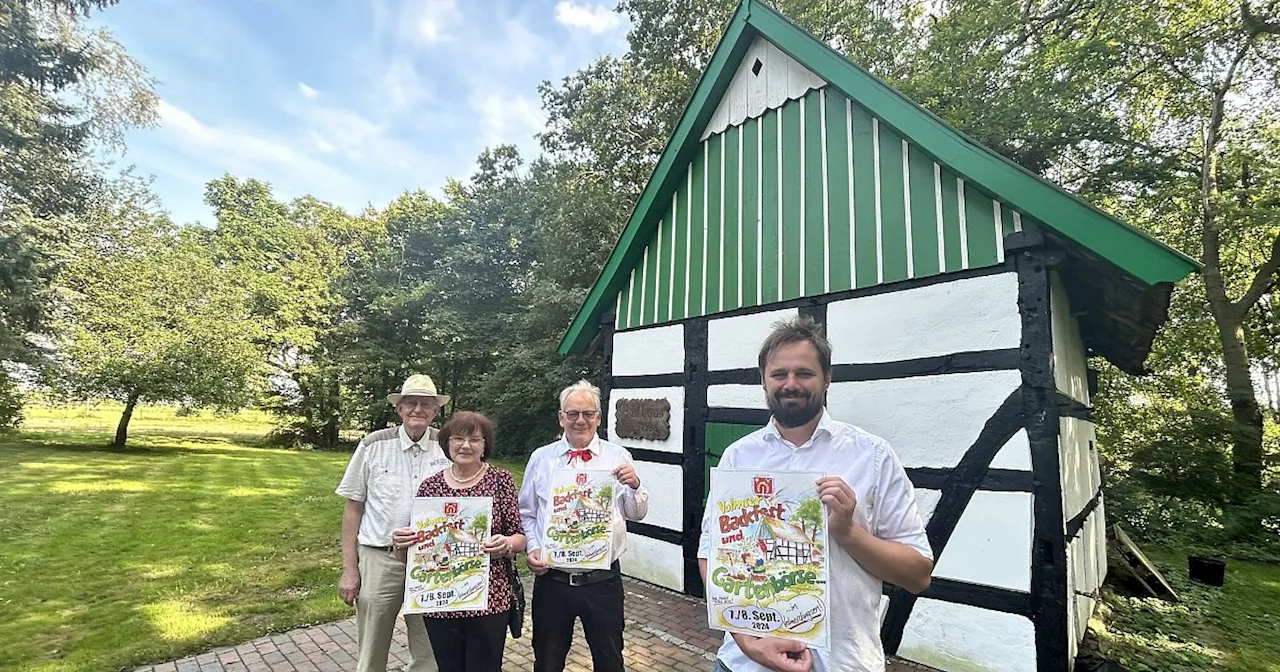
(144, 445)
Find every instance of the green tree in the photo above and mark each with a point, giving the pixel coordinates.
(810, 513)
(65, 91)
(455, 291)
(479, 524)
(605, 496)
(151, 318)
(293, 260)
(1209, 97)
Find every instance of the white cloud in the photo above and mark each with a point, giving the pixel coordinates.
(247, 153)
(182, 121)
(411, 100)
(434, 19)
(521, 46)
(403, 87)
(357, 138)
(595, 19)
(508, 119)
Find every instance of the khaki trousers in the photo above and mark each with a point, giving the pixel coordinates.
(382, 574)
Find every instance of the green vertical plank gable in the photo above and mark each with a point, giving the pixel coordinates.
(839, 215)
(750, 263)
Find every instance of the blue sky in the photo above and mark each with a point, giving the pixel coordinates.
(353, 101)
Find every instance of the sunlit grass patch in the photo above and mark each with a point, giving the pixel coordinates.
(179, 619)
(81, 486)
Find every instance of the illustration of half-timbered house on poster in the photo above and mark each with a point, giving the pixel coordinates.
(460, 543)
(588, 510)
(962, 295)
(780, 540)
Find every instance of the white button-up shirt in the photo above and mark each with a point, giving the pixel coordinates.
(385, 473)
(535, 493)
(886, 507)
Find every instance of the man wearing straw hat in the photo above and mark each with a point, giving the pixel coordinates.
(381, 479)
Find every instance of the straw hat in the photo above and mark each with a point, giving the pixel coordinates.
(418, 385)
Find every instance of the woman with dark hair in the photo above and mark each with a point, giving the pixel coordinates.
(473, 641)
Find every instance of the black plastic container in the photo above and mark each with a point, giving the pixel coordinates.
(1206, 570)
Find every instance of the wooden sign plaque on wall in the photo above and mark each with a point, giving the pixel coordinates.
(643, 419)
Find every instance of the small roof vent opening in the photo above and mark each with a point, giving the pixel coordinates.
(756, 67)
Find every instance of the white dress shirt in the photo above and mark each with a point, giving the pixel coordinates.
(535, 493)
(886, 507)
(385, 473)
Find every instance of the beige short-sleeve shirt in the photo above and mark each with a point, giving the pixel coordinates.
(384, 473)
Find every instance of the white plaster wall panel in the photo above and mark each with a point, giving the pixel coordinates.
(647, 352)
(665, 483)
(1087, 563)
(991, 544)
(1086, 573)
(1070, 368)
(734, 342)
(960, 638)
(750, 94)
(929, 420)
(940, 319)
(1072, 641)
(927, 503)
(674, 395)
(1073, 485)
(1099, 523)
(1072, 624)
(1016, 454)
(736, 396)
(1078, 463)
(655, 561)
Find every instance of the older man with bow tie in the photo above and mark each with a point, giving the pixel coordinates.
(595, 596)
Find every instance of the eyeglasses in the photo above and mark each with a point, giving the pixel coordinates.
(586, 415)
(465, 440)
(414, 404)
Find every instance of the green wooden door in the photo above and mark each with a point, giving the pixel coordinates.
(719, 437)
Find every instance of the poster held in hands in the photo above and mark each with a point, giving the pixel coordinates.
(579, 532)
(448, 568)
(767, 574)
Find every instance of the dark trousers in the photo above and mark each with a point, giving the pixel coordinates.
(471, 644)
(557, 604)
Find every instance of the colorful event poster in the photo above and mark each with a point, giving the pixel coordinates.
(579, 532)
(448, 568)
(767, 574)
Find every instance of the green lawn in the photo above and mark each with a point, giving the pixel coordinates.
(190, 539)
(1236, 627)
(195, 538)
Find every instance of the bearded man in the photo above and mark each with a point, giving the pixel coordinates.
(875, 531)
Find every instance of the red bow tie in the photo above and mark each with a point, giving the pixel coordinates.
(584, 455)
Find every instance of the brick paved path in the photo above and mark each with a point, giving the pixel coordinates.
(665, 631)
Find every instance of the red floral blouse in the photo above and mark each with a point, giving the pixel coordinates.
(498, 484)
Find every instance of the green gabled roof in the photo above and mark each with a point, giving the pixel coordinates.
(1135, 253)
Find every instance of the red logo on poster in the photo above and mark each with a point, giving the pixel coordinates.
(762, 485)
(450, 508)
(581, 479)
